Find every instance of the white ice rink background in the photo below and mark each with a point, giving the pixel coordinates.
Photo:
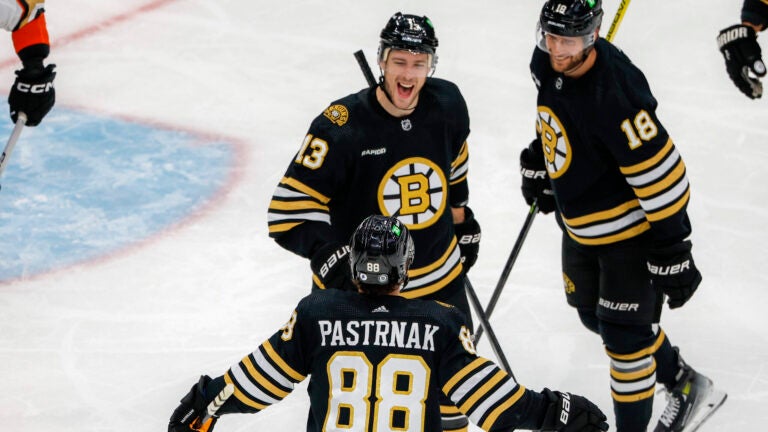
(134, 252)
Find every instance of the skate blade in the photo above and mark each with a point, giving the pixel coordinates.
(713, 401)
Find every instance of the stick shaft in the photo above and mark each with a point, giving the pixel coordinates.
(617, 20)
(508, 266)
(365, 67)
(21, 120)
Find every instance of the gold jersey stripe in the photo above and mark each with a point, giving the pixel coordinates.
(292, 182)
(449, 409)
(413, 273)
(642, 353)
(466, 370)
(642, 166)
(477, 393)
(283, 227)
(281, 363)
(664, 183)
(491, 419)
(603, 215)
(458, 180)
(242, 397)
(256, 375)
(623, 235)
(463, 155)
(297, 205)
(429, 289)
(669, 211)
(636, 375)
(633, 397)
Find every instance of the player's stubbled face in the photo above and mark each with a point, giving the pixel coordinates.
(565, 53)
(405, 73)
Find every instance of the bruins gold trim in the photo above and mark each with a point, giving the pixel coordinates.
(283, 227)
(448, 387)
(297, 205)
(491, 419)
(337, 114)
(281, 363)
(676, 174)
(633, 397)
(602, 215)
(663, 214)
(301, 187)
(483, 390)
(642, 166)
(242, 397)
(649, 351)
(626, 234)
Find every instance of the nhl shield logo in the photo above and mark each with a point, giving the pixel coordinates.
(406, 124)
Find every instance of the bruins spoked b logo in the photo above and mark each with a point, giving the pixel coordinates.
(554, 140)
(415, 191)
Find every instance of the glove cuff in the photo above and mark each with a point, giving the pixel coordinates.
(666, 252)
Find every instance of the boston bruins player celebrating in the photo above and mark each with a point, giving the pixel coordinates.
(378, 361)
(606, 165)
(738, 43)
(396, 149)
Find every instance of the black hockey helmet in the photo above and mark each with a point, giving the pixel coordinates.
(408, 32)
(381, 251)
(571, 17)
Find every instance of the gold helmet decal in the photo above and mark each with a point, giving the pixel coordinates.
(337, 114)
(554, 140)
(570, 288)
(415, 191)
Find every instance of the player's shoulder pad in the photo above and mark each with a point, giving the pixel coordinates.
(446, 92)
(341, 111)
(622, 80)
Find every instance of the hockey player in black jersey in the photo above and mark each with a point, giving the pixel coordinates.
(378, 361)
(603, 162)
(398, 149)
(738, 43)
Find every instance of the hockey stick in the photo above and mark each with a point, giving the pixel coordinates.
(617, 20)
(508, 266)
(495, 346)
(21, 120)
(365, 67)
(214, 406)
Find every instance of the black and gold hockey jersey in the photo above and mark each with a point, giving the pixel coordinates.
(357, 160)
(614, 169)
(379, 363)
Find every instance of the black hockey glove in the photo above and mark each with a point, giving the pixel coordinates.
(673, 271)
(33, 93)
(330, 267)
(187, 416)
(468, 234)
(738, 43)
(536, 185)
(571, 413)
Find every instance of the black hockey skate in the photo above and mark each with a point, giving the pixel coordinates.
(690, 402)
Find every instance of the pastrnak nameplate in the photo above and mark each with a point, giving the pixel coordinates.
(337, 114)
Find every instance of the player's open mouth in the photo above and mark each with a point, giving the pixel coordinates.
(404, 91)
